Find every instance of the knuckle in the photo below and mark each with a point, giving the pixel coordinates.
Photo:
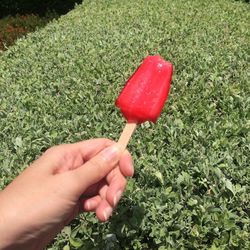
(107, 142)
(57, 148)
(68, 159)
(52, 150)
(123, 182)
(93, 163)
(98, 166)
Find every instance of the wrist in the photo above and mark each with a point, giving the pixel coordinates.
(4, 235)
(8, 223)
(15, 227)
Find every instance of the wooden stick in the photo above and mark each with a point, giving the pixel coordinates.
(126, 134)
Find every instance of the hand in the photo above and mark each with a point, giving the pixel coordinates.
(65, 180)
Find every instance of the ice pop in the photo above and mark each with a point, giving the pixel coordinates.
(143, 97)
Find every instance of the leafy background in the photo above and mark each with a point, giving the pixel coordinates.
(191, 187)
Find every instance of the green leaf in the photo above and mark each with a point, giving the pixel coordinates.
(159, 176)
(75, 242)
(67, 230)
(67, 247)
(168, 190)
(18, 142)
(192, 202)
(229, 186)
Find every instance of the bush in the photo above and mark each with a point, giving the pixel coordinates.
(191, 187)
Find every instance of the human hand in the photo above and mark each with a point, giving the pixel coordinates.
(65, 180)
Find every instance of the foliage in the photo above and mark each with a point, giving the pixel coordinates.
(13, 27)
(191, 187)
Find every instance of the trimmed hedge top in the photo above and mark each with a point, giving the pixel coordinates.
(191, 187)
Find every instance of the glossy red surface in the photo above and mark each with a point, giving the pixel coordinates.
(143, 97)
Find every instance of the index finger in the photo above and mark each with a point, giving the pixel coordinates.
(71, 155)
(89, 148)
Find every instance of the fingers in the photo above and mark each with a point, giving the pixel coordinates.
(95, 169)
(62, 158)
(101, 207)
(116, 188)
(126, 164)
(104, 210)
(101, 156)
(110, 190)
(90, 148)
(110, 195)
(99, 204)
(90, 204)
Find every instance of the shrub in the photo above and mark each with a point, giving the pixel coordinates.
(191, 187)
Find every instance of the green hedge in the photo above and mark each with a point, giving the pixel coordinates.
(191, 186)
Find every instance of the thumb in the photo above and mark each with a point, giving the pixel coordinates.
(96, 168)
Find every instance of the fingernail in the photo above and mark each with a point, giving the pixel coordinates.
(107, 212)
(117, 197)
(111, 153)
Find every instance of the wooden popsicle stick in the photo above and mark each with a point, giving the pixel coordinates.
(126, 134)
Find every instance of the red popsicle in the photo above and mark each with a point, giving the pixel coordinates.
(143, 97)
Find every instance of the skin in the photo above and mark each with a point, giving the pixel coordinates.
(64, 181)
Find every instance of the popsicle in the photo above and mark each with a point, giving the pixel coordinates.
(143, 97)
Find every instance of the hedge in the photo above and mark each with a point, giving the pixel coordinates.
(191, 186)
